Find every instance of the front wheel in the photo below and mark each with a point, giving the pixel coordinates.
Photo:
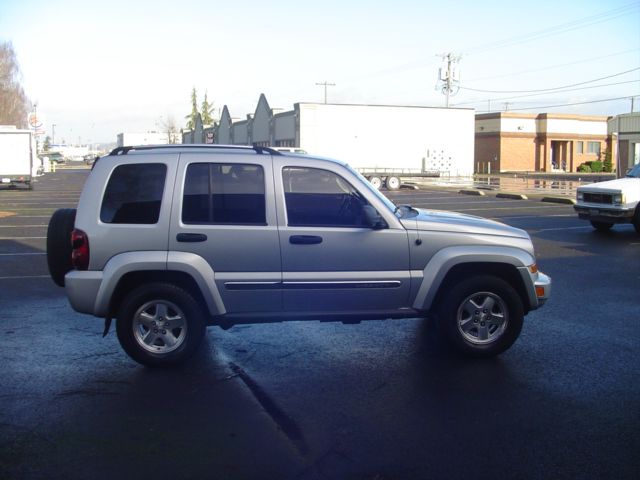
(160, 324)
(481, 316)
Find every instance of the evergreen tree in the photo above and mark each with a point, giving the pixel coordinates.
(191, 118)
(207, 111)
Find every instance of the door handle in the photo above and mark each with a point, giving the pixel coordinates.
(305, 239)
(191, 237)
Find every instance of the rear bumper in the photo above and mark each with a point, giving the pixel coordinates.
(82, 290)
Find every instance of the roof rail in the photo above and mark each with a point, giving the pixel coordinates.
(256, 148)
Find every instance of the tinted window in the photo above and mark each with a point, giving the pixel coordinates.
(317, 197)
(217, 193)
(134, 194)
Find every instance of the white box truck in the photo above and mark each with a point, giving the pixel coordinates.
(17, 152)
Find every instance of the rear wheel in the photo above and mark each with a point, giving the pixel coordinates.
(59, 244)
(393, 183)
(481, 316)
(601, 226)
(160, 324)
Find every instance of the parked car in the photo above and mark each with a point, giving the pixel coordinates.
(54, 157)
(169, 239)
(615, 201)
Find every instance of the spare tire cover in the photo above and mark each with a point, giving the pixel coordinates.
(59, 244)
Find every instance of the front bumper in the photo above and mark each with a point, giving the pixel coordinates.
(599, 213)
(543, 288)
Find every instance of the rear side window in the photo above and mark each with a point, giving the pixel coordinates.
(134, 194)
(216, 193)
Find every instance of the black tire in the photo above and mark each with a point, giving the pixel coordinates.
(636, 219)
(601, 226)
(171, 314)
(59, 244)
(464, 321)
(393, 183)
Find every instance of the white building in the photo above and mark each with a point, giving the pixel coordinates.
(369, 137)
(147, 138)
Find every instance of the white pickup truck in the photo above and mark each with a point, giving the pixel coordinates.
(614, 201)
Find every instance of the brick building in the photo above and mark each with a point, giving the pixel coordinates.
(512, 142)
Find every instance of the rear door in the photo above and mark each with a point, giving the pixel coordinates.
(221, 213)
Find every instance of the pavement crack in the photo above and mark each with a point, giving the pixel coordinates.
(96, 355)
(89, 392)
(284, 422)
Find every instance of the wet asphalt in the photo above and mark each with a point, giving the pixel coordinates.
(310, 400)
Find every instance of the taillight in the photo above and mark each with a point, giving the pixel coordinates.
(80, 253)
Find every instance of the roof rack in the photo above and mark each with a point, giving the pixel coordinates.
(256, 148)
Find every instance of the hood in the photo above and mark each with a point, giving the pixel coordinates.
(611, 185)
(443, 221)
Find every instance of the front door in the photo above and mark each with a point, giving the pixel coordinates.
(332, 261)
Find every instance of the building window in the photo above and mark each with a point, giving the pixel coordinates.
(579, 147)
(593, 147)
(216, 193)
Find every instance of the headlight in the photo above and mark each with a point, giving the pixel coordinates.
(580, 196)
(618, 199)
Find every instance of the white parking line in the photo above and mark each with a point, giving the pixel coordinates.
(19, 254)
(20, 238)
(25, 276)
(23, 226)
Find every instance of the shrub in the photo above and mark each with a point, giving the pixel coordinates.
(607, 164)
(584, 168)
(596, 166)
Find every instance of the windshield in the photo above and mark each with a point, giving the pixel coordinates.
(634, 172)
(388, 203)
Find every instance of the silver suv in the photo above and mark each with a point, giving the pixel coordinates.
(169, 239)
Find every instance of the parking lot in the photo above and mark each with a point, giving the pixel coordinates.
(311, 400)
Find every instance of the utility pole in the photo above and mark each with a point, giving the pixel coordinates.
(53, 133)
(506, 105)
(449, 75)
(326, 84)
(632, 103)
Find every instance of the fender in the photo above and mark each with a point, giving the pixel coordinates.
(191, 264)
(442, 262)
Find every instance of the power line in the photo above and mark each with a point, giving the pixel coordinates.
(577, 103)
(538, 94)
(551, 67)
(551, 89)
(555, 30)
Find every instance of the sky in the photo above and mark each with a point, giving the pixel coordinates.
(96, 69)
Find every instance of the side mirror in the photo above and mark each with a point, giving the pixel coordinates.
(373, 218)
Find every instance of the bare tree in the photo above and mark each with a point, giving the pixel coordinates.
(169, 127)
(14, 105)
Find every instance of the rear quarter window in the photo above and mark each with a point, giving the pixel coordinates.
(134, 194)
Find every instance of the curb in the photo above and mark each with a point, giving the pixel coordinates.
(564, 200)
(477, 193)
(512, 196)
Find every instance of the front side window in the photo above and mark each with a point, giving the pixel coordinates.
(134, 194)
(216, 193)
(320, 198)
